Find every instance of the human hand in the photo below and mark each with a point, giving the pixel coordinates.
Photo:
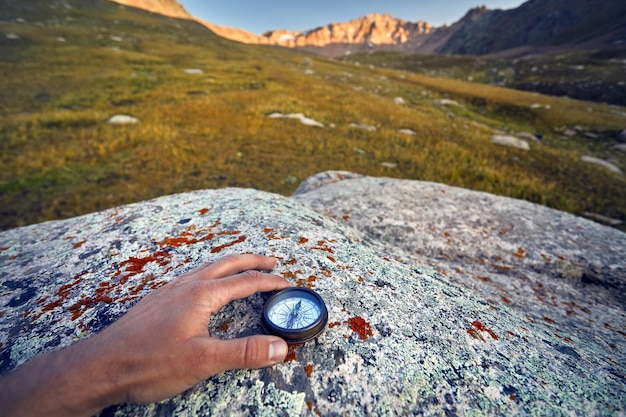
(160, 347)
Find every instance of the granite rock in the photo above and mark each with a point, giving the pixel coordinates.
(402, 338)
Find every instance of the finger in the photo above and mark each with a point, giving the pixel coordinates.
(247, 283)
(196, 270)
(247, 352)
(233, 264)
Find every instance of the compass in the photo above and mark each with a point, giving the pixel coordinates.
(295, 314)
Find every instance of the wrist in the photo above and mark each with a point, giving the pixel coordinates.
(70, 382)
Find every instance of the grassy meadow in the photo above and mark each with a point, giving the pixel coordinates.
(68, 66)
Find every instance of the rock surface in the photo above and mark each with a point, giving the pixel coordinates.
(402, 337)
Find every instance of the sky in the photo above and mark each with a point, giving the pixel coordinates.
(258, 16)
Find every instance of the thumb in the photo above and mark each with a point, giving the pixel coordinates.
(248, 352)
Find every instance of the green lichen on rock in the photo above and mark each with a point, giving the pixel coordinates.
(402, 338)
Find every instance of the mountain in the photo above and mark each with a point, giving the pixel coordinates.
(207, 112)
(169, 8)
(535, 26)
(369, 31)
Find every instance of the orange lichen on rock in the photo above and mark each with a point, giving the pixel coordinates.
(203, 211)
(478, 326)
(309, 370)
(219, 248)
(224, 326)
(79, 244)
(291, 352)
(334, 324)
(360, 326)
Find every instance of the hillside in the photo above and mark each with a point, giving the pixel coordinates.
(202, 104)
(535, 26)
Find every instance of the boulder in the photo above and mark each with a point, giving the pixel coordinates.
(122, 119)
(510, 141)
(622, 136)
(446, 102)
(403, 337)
(601, 162)
(303, 119)
(363, 126)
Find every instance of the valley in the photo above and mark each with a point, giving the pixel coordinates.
(202, 105)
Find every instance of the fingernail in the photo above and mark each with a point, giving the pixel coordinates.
(277, 351)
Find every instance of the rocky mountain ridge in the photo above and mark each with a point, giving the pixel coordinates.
(169, 8)
(373, 29)
(535, 26)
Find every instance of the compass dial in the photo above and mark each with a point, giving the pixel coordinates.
(295, 314)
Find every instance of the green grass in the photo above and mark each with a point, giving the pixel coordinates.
(61, 158)
(587, 75)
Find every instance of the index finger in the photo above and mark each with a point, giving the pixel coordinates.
(230, 265)
(245, 284)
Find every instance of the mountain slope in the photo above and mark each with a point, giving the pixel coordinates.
(536, 24)
(202, 105)
(169, 8)
(534, 27)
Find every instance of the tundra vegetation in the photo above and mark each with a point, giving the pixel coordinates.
(202, 105)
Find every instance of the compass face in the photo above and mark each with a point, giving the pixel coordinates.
(295, 314)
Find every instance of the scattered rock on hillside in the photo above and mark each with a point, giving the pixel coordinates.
(122, 119)
(510, 141)
(60, 39)
(620, 147)
(193, 71)
(303, 119)
(12, 36)
(540, 106)
(601, 162)
(529, 136)
(622, 136)
(409, 132)
(390, 165)
(446, 102)
(309, 71)
(399, 101)
(363, 126)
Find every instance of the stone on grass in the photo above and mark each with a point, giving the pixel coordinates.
(193, 71)
(399, 101)
(446, 102)
(303, 119)
(622, 136)
(409, 132)
(620, 147)
(363, 126)
(433, 294)
(390, 165)
(528, 136)
(122, 119)
(510, 141)
(601, 162)
(12, 36)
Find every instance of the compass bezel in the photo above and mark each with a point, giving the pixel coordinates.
(304, 334)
